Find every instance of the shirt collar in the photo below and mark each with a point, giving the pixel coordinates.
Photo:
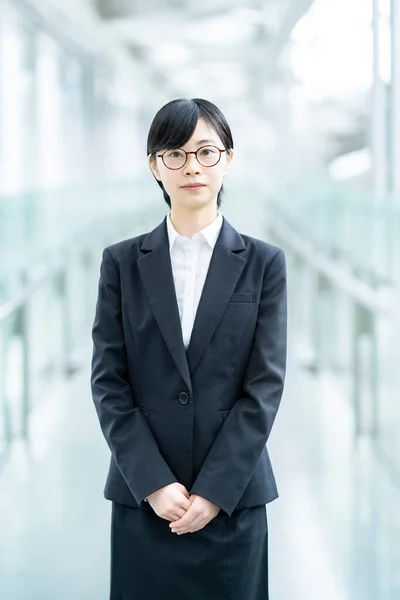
(210, 232)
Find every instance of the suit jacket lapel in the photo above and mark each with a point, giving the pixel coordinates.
(223, 274)
(156, 273)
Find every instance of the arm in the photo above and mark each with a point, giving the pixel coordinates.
(240, 442)
(124, 427)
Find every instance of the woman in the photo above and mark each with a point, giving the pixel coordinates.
(187, 376)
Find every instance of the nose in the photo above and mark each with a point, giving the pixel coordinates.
(192, 164)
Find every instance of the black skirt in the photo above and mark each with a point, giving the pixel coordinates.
(226, 560)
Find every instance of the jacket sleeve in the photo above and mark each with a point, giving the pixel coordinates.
(240, 442)
(124, 427)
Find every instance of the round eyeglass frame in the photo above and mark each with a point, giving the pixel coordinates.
(195, 153)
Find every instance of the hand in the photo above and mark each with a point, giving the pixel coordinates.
(170, 502)
(200, 512)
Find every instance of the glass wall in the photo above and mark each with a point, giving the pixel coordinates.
(66, 126)
(51, 149)
(340, 199)
(17, 102)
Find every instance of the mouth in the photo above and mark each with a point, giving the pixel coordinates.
(193, 186)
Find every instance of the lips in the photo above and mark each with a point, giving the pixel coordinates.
(193, 185)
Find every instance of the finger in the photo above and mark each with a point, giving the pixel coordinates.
(178, 514)
(187, 518)
(186, 493)
(194, 526)
(185, 503)
(199, 528)
(172, 518)
(200, 524)
(185, 527)
(190, 526)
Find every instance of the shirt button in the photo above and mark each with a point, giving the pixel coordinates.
(183, 398)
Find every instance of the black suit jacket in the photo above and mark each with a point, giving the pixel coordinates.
(201, 417)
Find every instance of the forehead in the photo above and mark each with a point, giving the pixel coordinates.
(203, 134)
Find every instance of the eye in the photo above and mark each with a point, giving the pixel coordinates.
(175, 153)
(209, 151)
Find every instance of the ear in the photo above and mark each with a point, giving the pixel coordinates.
(229, 158)
(153, 166)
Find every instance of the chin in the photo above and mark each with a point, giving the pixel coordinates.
(201, 203)
(195, 201)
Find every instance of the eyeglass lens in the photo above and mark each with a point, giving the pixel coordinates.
(208, 156)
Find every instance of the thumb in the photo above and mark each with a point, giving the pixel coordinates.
(184, 491)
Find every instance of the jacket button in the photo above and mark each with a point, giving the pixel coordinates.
(183, 398)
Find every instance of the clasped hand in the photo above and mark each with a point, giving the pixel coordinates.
(187, 513)
(201, 512)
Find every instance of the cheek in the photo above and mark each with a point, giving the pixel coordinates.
(217, 177)
(169, 180)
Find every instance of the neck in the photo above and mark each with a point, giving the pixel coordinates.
(189, 222)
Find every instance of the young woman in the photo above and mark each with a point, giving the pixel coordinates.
(187, 376)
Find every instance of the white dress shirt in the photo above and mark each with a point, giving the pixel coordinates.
(190, 259)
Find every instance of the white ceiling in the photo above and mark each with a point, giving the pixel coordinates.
(226, 48)
(220, 46)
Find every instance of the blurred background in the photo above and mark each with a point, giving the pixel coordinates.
(311, 90)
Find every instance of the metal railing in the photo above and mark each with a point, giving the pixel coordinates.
(343, 256)
(46, 313)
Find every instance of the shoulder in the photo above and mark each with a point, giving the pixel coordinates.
(264, 258)
(268, 261)
(263, 250)
(125, 248)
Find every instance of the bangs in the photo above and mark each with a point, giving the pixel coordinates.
(173, 125)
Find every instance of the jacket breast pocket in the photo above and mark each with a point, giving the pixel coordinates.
(224, 414)
(235, 321)
(145, 412)
(242, 297)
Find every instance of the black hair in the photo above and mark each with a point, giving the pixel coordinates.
(174, 124)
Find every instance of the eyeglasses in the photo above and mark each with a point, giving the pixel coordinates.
(207, 156)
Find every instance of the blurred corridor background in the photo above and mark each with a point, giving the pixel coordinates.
(311, 90)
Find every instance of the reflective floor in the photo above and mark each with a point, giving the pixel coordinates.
(334, 531)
